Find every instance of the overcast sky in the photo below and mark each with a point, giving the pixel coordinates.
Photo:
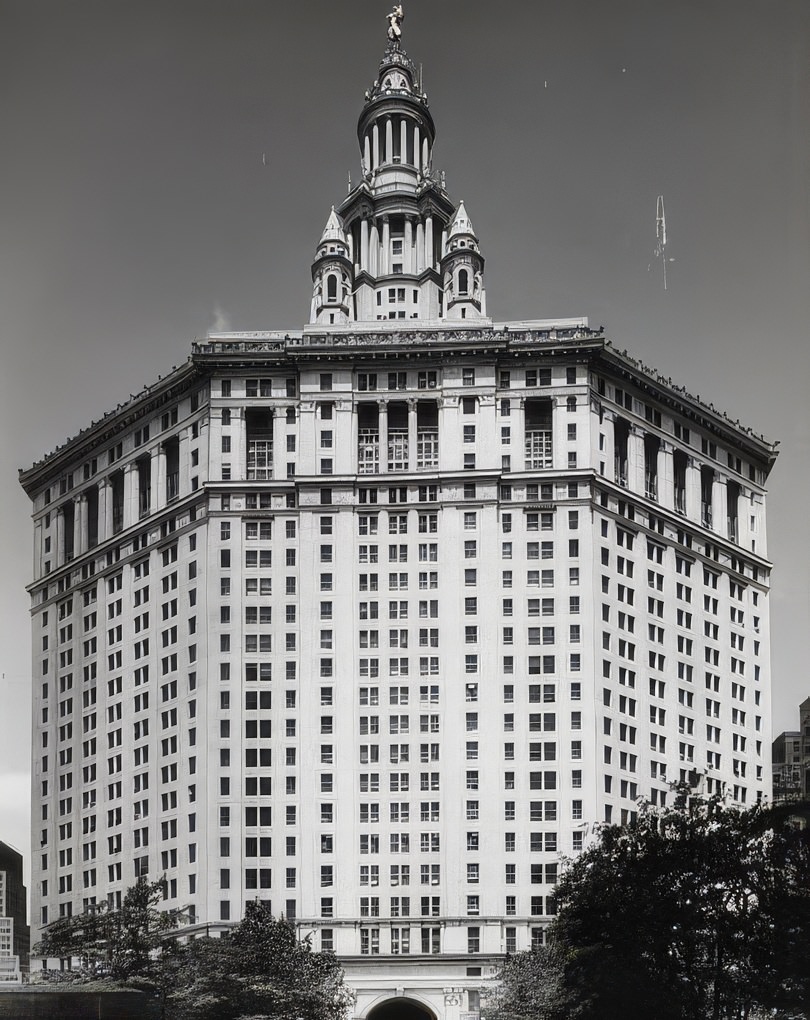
(168, 166)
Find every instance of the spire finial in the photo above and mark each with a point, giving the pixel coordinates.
(395, 19)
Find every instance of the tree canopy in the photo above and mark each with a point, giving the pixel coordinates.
(695, 911)
(259, 970)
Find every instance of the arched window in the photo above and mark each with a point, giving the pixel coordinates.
(463, 281)
(331, 287)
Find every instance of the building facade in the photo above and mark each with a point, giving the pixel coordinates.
(14, 930)
(374, 620)
(791, 760)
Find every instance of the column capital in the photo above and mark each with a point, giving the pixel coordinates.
(666, 446)
(636, 430)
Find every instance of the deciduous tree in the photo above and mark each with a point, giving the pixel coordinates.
(695, 911)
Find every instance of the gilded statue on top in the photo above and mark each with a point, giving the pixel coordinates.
(395, 19)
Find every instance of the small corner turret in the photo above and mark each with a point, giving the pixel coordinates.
(463, 270)
(332, 276)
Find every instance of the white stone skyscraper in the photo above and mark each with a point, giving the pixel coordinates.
(374, 620)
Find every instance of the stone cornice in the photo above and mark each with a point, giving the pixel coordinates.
(119, 419)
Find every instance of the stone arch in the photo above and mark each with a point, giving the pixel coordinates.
(404, 1007)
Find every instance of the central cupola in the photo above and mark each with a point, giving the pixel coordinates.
(383, 254)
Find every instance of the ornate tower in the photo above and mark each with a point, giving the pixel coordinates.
(332, 276)
(397, 248)
(463, 270)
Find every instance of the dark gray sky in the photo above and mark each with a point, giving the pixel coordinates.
(137, 213)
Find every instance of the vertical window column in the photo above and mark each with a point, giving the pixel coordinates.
(417, 145)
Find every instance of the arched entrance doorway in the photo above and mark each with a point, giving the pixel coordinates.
(400, 1009)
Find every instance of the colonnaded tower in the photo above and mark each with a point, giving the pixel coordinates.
(374, 620)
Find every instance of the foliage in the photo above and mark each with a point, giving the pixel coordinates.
(695, 911)
(119, 945)
(258, 971)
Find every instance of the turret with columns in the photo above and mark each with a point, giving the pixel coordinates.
(397, 237)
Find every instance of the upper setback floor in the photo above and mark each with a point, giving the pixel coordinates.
(518, 405)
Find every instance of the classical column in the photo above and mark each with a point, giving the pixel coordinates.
(425, 154)
(607, 456)
(720, 505)
(407, 261)
(420, 246)
(383, 430)
(158, 479)
(104, 497)
(109, 506)
(82, 529)
(412, 436)
(130, 515)
(184, 464)
(364, 244)
(59, 552)
(279, 463)
(449, 426)
(429, 242)
(635, 459)
(417, 162)
(517, 432)
(559, 432)
(39, 553)
(77, 526)
(666, 475)
(375, 135)
(403, 141)
(385, 266)
(389, 140)
(693, 490)
(239, 442)
(366, 153)
(374, 254)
